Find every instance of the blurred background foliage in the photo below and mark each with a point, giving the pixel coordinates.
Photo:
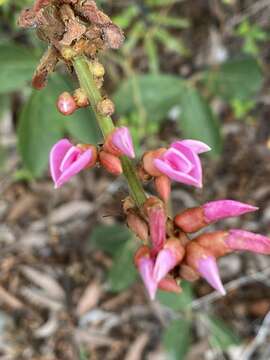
(162, 83)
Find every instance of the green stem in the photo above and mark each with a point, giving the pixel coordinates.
(87, 82)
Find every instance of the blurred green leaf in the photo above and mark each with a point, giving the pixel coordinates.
(123, 272)
(17, 66)
(110, 238)
(239, 79)
(40, 126)
(170, 42)
(82, 125)
(152, 53)
(177, 339)
(222, 336)
(177, 302)
(124, 19)
(197, 120)
(156, 94)
(169, 21)
(4, 104)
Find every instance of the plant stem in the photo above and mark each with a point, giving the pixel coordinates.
(87, 82)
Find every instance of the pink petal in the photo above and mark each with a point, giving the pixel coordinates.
(122, 139)
(184, 178)
(198, 147)
(69, 158)
(165, 262)
(207, 267)
(177, 160)
(57, 154)
(222, 209)
(82, 162)
(245, 240)
(146, 267)
(196, 171)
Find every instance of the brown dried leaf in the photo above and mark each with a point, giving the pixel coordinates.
(10, 300)
(113, 36)
(136, 349)
(22, 207)
(38, 298)
(74, 31)
(27, 18)
(46, 66)
(89, 10)
(89, 299)
(46, 282)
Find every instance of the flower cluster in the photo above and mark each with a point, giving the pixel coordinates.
(166, 255)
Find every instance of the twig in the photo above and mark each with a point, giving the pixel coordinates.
(247, 279)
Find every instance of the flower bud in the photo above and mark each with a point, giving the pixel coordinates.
(80, 98)
(97, 69)
(106, 107)
(85, 147)
(246, 240)
(119, 142)
(145, 265)
(138, 226)
(110, 162)
(167, 258)
(203, 261)
(66, 104)
(214, 242)
(163, 187)
(148, 161)
(157, 217)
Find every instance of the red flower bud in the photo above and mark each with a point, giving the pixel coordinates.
(138, 226)
(191, 220)
(110, 162)
(66, 104)
(170, 285)
(214, 242)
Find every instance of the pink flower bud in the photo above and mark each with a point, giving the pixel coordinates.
(163, 187)
(222, 209)
(138, 226)
(170, 285)
(245, 240)
(167, 258)
(181, 162)
(67, 160)
(154, 209)
(204, 263)
(111, 163)
(66, 105)
(122, 140)
(191, 220)
(145, 266)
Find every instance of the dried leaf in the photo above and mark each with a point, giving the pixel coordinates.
(10, 300)
(89, 299)
(46, 66)
(38, 298)
(46, 282)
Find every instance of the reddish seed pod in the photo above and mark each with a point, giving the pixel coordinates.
(163, 187)
(138, 226)
(66, 104)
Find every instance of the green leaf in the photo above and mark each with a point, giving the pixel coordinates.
(169, 21)
(177, 339)
(177, 302)
(82, 125)
(123, 272)
(40, 126)
(156, 94)
(17, 66)
(110, 238)
(239, 79)
(222, 336)
(197, 120)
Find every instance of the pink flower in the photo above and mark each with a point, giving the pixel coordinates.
(222, 209)
(67, 160)
(181, 162)
(145, 265)
(122, 140)
(245, 240)
(207, 268)
(168, 258)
